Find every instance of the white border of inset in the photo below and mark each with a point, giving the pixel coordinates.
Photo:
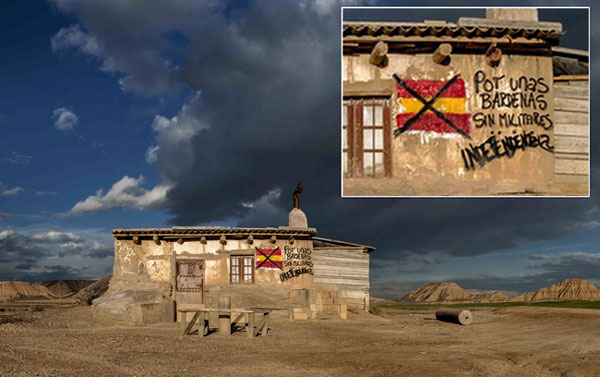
(461, 196)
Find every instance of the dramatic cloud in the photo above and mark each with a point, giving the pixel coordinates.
(59, 272)
(39, 243)
(36, 254)
(264, 114)
(174, 137)
(582, 265)
(64, 119)
(116, 43)
(16, 158)
(124, 193)
(265, 209)
(54, 236)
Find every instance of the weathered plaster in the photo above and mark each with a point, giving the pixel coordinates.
(433, 161)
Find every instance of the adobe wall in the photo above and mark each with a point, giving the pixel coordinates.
(510, 115)
(156, 263)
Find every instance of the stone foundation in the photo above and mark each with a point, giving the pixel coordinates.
(137, 301)
(314, 303)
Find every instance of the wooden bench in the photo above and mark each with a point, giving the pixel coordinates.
(250, 314)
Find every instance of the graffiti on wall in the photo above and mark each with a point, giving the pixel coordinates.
(285, 276)
(515, 111)
(299, 262)
(494, 147)
(127, 261)
(508, 104)
(428, 105)
(269, 258)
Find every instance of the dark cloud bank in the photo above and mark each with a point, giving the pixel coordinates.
(40, 255)
(265, 114)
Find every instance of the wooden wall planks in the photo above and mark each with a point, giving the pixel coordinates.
(571, 137)
(343, 269)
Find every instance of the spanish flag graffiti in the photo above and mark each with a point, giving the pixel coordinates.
(427, 105)
(269, 258)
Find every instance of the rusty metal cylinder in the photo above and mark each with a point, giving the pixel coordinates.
(460, 316)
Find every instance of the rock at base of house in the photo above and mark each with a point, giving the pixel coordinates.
(138, 307)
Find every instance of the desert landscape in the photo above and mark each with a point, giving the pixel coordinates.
(198, 152)
(569, 289)
(60, 337)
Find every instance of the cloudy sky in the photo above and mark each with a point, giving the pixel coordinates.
(126, 113)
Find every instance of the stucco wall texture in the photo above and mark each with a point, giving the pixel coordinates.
(156, 262)
(508, 143)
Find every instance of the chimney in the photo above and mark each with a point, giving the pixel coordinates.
(512, 14)
(297, 219)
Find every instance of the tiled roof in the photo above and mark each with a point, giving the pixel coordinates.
(215, 230)
(552, 31)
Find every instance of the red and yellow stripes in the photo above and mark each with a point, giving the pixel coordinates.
(445, 105)
(270, 259)
(451, 102)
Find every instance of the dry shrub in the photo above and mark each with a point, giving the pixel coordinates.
(10, 319)
(374, 310)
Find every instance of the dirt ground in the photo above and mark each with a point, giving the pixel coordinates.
(519, 341)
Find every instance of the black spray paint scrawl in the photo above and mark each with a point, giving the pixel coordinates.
(493, 148)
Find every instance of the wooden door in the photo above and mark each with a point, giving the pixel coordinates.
(190, 281)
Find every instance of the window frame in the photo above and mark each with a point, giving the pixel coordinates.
(356, 150)
(241, 259)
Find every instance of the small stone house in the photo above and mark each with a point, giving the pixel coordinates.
(160, 270)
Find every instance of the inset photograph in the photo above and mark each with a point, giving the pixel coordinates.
(465, 101)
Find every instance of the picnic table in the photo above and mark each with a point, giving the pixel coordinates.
(250, 314)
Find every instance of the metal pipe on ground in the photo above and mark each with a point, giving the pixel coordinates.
(460, 316)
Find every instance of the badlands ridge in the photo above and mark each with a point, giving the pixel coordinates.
(569, 289)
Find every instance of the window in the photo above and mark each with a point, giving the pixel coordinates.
(242, 270)
(373, 139)
(366, 137)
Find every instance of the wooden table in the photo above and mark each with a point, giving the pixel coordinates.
(251, 330)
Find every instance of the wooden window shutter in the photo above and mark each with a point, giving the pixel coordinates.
(358, 131)
(350, 136)
(387, 139)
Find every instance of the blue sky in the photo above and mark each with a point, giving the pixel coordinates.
(107, 143)
(221, 108)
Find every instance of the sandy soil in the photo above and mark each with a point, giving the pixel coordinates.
(68, 341)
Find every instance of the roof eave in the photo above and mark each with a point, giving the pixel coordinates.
(367, 248)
